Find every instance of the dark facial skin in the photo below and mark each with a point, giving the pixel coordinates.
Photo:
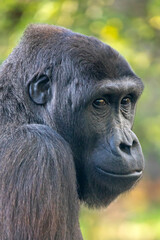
(113, 162)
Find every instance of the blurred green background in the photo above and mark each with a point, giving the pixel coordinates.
(133, 28)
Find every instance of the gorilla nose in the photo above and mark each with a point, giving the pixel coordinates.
(123, 142)
(126, 147)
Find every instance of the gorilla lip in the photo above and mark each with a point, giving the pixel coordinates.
(135, 174)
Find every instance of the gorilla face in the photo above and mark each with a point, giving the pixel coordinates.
(111, 154)
(98, 114)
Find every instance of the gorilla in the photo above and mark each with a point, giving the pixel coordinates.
(67, 106)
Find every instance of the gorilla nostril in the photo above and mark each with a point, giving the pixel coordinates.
(134, 144)
(125, 148)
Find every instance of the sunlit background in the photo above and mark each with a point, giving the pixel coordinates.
(133, 28)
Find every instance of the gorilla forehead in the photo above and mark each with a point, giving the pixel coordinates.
(97, 60)
(87, 56)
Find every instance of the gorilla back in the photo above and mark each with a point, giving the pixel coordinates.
(67, 106)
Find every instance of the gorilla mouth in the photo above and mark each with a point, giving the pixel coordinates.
(135, 174)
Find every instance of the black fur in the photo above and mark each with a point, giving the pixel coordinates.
(57, 145)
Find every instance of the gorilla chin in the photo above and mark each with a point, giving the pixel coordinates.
(102, 187)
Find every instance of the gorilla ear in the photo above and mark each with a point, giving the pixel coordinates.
(40, 89)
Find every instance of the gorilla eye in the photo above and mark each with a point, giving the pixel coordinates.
(99, 102)
(126, 101)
